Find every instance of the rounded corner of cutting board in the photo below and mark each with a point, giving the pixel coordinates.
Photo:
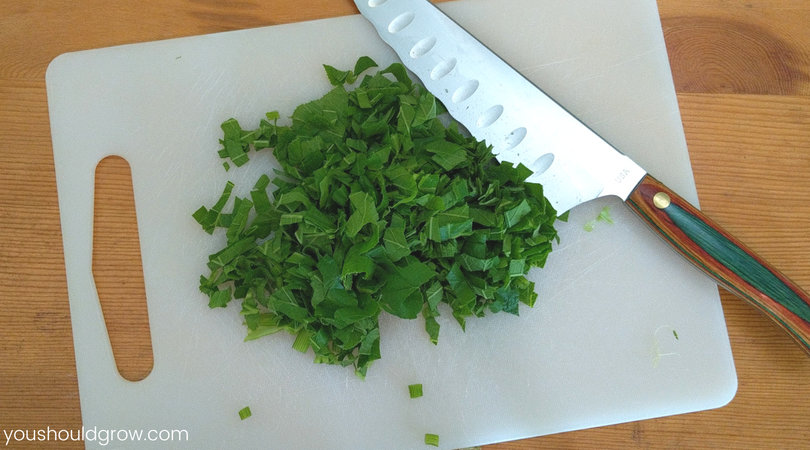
(56, 66)
(727, 392)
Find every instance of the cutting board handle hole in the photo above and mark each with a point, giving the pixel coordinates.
(118, 271)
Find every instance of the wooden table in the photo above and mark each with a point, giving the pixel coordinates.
(742, 74)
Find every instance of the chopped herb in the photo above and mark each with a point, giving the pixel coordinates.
(415, 390)
(604, 216)
(244, 413)
(657, 353)
(432, 439)
(378, 206)
(301, 342)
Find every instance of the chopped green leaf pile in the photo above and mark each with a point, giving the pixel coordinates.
(378, 206)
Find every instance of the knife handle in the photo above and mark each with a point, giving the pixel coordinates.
(723, 257)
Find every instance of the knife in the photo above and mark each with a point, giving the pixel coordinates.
(575, 165)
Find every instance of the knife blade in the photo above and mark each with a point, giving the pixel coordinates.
(574, 164)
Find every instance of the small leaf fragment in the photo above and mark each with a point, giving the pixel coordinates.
(604, 216)
(432, 439)
(415, 390)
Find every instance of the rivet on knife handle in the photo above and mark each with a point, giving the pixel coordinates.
(727, 260)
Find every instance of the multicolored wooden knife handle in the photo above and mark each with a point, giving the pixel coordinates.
(722, 256)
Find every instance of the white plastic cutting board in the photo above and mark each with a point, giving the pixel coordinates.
(598, 348)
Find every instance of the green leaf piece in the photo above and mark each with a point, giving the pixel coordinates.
(364, 212)
(604, 216)
(432, 439)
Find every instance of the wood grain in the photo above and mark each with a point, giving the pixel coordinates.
(741, 72)
(117, 269)
(735, 47)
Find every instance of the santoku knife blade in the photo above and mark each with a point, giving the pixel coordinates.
(524, 125)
